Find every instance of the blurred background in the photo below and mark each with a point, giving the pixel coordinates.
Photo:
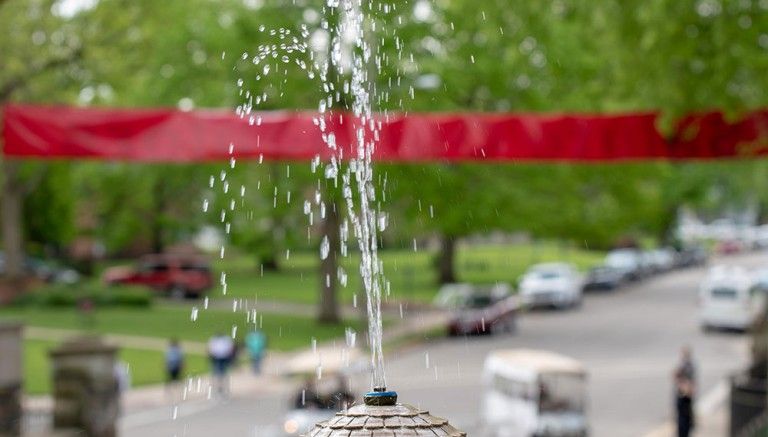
(640, 251)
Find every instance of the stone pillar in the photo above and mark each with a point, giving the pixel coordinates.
(10, 379)
(85, 388)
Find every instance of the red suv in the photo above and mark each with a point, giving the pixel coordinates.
(175, 275)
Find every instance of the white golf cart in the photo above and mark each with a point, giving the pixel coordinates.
(533, 393)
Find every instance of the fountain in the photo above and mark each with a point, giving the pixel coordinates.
(348, 96)
(381, 415)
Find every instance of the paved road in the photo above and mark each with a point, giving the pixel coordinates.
(629, 341)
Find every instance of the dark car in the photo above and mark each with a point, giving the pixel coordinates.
(692, 256)
(630, 262)
(603, 278)
(174, 275)
(483, 312)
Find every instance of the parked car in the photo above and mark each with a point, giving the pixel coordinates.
(603, 278)
(175, 275)
(530, 393)
(44, 270)
(691, 256)
(662, 259)
(551, 284)
(628, 261)
(760, 279)
(730, 298)
(486, 310)
(729, 247)
(452, 295)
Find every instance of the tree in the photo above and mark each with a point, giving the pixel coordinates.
(42, 70)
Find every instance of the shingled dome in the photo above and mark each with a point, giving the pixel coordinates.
(384, 421)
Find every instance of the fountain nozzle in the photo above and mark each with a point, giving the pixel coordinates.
(380, 397)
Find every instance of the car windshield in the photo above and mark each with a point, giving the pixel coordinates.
(478, 301)
(194, 268)
(150, 267)
(546, 273)
(723, 293)
(561, 393)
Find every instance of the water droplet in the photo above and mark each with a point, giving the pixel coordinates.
(325, 247)
(351, 337)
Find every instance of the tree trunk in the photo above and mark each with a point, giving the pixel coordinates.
(329, 308)
(12, 225)
(268, 262)
(446, 260)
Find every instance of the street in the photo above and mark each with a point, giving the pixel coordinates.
(629, 341)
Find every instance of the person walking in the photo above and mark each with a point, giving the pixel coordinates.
(256, 343)
(174, 362)
(685, 390)
(221, 349)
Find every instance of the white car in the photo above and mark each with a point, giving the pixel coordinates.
(551, 284)
(730, 298)
(533, 393)
(628, 261)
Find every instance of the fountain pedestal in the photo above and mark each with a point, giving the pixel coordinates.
(10, 379)
(85, 388)
(381, 415)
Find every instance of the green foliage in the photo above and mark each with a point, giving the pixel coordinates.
(411, 274)
(548, 55)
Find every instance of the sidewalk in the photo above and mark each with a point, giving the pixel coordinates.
(711, 416)
(714, 424)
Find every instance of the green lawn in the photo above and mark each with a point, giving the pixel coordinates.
(285, 332)
(145, 366)
(411, 274)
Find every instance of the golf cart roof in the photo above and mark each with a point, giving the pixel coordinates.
(532, 361)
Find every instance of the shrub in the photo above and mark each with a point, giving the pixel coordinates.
(72, 296)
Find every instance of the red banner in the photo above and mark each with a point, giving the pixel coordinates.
(164, 135)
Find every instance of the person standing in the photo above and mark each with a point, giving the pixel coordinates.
(174, 362)
(685, 390)
(220, 351)
(256, 343)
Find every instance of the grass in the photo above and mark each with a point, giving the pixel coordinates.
(412, 274)
(145, 366)
(284, 332)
